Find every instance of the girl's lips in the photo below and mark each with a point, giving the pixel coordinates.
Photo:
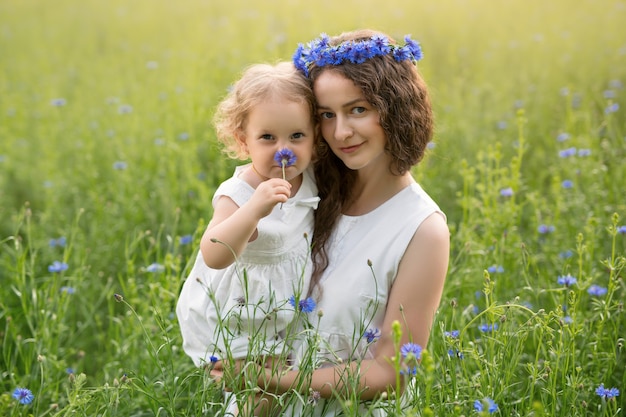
(350, 149)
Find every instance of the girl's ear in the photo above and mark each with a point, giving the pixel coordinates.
(240, 137)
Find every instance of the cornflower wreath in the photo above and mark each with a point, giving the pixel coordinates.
(321, 53)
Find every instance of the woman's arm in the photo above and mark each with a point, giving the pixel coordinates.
(413, 302)
(236, 226)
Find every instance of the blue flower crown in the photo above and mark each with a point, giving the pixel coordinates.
(321, 53)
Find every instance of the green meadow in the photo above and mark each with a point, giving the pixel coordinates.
(108, 163)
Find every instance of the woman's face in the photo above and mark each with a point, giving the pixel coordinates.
(349, 123)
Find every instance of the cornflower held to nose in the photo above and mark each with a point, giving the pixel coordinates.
(285, 158)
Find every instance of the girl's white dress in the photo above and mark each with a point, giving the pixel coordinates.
(244, 308)
(354, 294)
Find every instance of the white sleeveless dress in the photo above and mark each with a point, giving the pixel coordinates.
(354, 298)
(219, 309)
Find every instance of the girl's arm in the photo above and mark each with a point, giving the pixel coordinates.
(413, 302)
(235, 226)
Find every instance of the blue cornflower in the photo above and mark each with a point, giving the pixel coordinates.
(68, 290)
(453, 334)
(411, 370)
(411, 349)
(381, 44)
(60, 242)
(506, 192)
(495, 269)
(306, 306)
(69, 371)
(584, 152)
(566, 153)
(491, 406)
(545, 229)
(617, 84)
(155, 267)
(488, 328)
(621, 230)
(566, 254)
(612, 108)
(58, 102)
(413, 47)
(125, 109)
(607, 393)
(371, 335)
(23, 395)
(567, 184)
(183, 136)
(213, 359)
(120, 165)
(185, 240)
(562, 137)
(455, 353)
(401, 54)
(608, 94)
(568, 320)
(566, 280)
(502, 124)
(57, 266)
(285, 158)
(597, 290)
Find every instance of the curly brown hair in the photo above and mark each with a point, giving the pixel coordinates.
(399, 94)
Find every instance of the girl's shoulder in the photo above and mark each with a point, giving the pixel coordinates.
(235, 188)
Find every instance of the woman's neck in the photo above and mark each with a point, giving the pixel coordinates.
(371, 189)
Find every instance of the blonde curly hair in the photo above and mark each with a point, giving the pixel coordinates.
(258, 83)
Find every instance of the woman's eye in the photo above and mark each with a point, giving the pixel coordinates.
(326, 115)
(358, 110)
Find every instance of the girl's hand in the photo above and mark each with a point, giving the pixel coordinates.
(268, 194)
(230, 374)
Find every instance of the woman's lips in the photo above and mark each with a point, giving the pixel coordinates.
(350, 149)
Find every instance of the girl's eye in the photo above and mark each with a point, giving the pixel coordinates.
(267, 136)
(298, 135)
(326, 115)
(358, 110)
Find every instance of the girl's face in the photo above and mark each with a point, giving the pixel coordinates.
(275, 124)
(349, 123)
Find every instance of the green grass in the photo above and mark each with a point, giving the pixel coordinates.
(106, 141)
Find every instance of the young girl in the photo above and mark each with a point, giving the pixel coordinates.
(381, 244)
(253, 262)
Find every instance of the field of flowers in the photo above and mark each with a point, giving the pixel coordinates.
(108, 162)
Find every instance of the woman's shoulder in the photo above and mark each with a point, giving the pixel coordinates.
(411, 202)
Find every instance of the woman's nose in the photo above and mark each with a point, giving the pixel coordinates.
(343, 130)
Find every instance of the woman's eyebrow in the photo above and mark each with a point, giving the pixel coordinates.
(348, 104)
